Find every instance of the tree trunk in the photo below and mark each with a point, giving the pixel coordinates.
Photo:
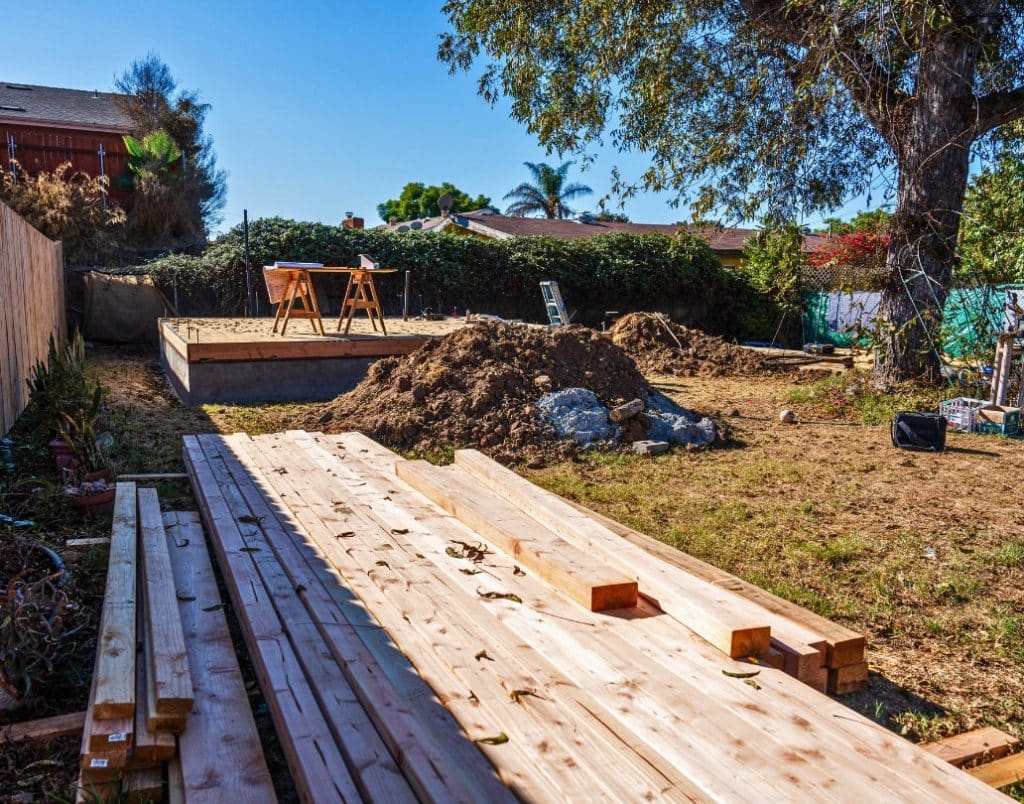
(934, 158)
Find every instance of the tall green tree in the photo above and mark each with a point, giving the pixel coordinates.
(548, 193)
(419, 200)
(778, 106)
(188, 207)
(992, 232)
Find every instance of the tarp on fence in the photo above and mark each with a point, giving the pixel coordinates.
(970, 317)
(121, 309)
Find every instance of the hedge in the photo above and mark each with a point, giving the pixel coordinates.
(622, 272)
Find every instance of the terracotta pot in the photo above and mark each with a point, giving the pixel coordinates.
(101, 503)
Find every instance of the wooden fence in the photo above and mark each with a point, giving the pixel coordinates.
(31, 308)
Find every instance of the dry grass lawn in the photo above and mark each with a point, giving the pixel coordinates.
(924, 553)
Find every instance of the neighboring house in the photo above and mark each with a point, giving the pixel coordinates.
(43, 127)
(727, 243)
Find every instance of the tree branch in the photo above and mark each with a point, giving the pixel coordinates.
(872, 86)
(998, 108)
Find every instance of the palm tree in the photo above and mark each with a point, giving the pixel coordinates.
(547, 194)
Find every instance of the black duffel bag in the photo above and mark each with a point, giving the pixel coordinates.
(920, 431)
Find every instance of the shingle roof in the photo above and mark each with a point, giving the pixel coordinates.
(56, 106)
(726, 239)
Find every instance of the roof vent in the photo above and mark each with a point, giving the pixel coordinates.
(4, 108)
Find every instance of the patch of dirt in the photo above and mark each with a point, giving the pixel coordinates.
(478, 386)
(660, 346)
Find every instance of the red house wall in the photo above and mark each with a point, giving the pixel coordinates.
(41, 148)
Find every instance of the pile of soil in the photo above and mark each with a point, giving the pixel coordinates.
(652, 342)
(479, 386)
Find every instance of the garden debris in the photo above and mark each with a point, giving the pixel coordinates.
(660, 346)
(626, 411)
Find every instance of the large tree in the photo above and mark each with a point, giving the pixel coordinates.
(418, 200)
(547, 195)
(180, 207)
(777, 106)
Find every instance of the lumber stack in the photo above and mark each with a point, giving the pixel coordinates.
(142, 696)
(444, 629)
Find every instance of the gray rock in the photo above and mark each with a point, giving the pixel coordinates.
(649, 447)
(576, 413)
(671, 422)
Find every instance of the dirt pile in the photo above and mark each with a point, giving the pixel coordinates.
(479, 387)
(660, 346)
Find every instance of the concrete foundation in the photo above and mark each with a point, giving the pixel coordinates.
(256, 381)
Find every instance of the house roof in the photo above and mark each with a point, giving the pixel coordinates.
(723, 240)
(61, 108)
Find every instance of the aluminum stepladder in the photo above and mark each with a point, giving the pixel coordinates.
(557, 316)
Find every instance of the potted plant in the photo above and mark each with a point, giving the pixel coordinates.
(36, 613)
(89, 485)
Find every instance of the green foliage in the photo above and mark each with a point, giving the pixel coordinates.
(640, 272)
(776, 263)
(418, 200)
(59, 386)
(154, 155)
(992, 227)
(68, 207)
(78, 429)
(548, 193)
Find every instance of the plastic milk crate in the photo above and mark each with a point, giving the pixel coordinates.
(961, 413)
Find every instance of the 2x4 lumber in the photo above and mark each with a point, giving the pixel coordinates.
(115, 652)
(99, 541)
(843, 680)
(144, 785)
(676, 718)
(444, 639)
(438, 762)
(152, 745)
(960, 749)
(827, 730)
(99, 765)
(844, 646)
(317, 766)
(726, 620)
(153, 476)
(167, 670)
(44, 728)
(1000, 772)
(221, 758)
(573, 572)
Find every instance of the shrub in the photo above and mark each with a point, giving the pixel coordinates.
(66, 207)
(625, 272)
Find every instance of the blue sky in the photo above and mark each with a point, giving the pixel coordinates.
(318, 107)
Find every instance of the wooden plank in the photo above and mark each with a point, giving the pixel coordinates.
(115, 654)
(411, 722)
(152, 745)
(221, 757)
(99, 541)
(805, 723)
(844, 646)
(1000, 772)
(726, 620)
(167, 670)
(577, 574)
(110, 735)
(317, 765)
(960, 749)
(146, 785)
(443, 642)
(649, 698)
(175, 784)
(154, 476)
(44, 728)
(844, 680)
(305, 349)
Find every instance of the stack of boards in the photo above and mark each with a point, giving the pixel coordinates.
(457, 634)
(168, 713)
